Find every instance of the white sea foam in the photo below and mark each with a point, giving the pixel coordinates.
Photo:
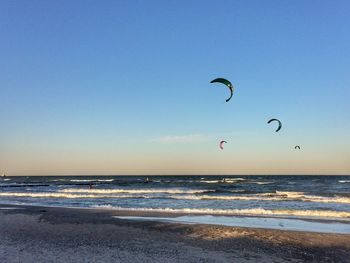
(284, 196)
(313, 198)
(223, 197)
(135, 191)
(82, 180)
(252, 212)
(344, 181)
(236, 179)
(233, 180)
(68, 195)
(288, 193)
(262, 183)
(92, 180)
(210, 181)
(105, 180)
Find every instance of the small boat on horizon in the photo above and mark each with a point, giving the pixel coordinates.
(3, 175)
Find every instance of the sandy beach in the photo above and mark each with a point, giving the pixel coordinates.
(47, 234)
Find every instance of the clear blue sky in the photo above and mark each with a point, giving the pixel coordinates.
(122, 87)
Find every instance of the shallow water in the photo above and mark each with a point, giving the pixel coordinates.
(253, 222)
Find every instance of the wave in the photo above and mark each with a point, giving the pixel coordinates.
(224, 180)
(178, 194)
(135, 191)
(233, 180)
(252, 211)
(59, 180)
(22, 185)
(82, 180)
(290, 194)
(90, 180)
(262, 183)
(310, 198)
(285, 196)
(344, 181)
(217, 197)
(105, 180)
(238, 191)
(69, 195)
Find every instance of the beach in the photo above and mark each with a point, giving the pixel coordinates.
(174, 131)
(53, 234)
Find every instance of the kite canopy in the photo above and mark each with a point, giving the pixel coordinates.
(222, 144)
(279, 123)
(297, 147)
(225, 82)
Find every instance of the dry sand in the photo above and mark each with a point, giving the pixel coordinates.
(43, 234)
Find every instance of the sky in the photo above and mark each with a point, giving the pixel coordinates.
(123, 87)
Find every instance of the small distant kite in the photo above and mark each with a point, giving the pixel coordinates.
(225, 82)
(297, 147)
(279, 123)
(222, 144)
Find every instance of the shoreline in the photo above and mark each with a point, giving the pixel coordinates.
(268, 222)
(95, 233)
(169, 213)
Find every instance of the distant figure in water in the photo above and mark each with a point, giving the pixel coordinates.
(146, 180)
(223, 180)
(90, 186)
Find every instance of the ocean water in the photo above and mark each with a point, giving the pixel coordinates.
(308, 197)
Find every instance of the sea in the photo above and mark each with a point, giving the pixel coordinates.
(303, 197)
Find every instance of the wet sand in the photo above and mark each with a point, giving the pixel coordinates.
(46, 234)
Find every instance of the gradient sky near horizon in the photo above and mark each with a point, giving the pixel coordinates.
(122, 87)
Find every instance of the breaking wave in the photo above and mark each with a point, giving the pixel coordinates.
(178, 194)
(136, 191)
(69, 195)
(267, 197)
(210, 182)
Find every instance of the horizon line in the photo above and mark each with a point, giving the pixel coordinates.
(181, 175)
